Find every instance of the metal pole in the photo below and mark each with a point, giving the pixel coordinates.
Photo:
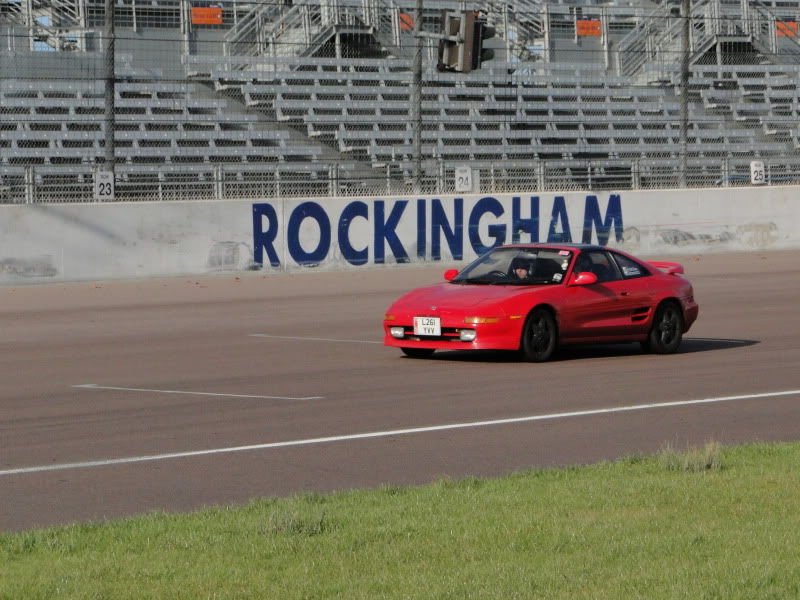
(110, 148)
(505, 29)
(186, 25)
(30, 183)
(29, 23)
(416, 102)
(686, 9)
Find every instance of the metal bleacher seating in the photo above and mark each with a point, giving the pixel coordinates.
(156, 122)
(244, 100)
(362, 110)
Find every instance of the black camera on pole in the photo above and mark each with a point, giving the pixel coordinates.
(482, 32)
(456, 41)
(461, 43)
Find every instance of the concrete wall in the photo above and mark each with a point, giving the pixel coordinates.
(74, 242)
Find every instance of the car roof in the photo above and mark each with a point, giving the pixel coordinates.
(557, 245)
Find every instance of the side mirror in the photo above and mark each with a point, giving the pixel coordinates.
(584, 278)
(450, 274)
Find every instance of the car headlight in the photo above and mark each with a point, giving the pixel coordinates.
(467, 335)
(397, 332)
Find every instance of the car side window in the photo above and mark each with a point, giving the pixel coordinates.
(599, 263)
(630, 269)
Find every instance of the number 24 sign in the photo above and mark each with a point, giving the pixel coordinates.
(463, 179)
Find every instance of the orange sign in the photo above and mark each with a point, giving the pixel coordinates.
(786, 28)
(206, 15)
(588, 27)
(406, 22)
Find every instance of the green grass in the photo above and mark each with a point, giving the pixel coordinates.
(708, 523)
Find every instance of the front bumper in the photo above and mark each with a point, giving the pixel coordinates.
(502, 335)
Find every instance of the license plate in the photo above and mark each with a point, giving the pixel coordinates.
(427, 326)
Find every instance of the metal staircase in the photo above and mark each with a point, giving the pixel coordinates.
(522, 24)
(658, 38)
(59, 24)
(301, 29)
(764, 27)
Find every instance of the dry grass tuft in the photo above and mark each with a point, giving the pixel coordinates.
(693, 460)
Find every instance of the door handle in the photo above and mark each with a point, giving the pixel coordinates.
(624, 293)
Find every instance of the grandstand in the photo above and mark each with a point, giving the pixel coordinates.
(260, 99)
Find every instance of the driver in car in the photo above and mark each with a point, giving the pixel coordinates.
(520, 268)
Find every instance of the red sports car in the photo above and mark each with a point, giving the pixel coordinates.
(535, 297)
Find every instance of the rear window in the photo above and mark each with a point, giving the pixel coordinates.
(630, 269)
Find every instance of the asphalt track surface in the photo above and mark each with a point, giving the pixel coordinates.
(123, 398)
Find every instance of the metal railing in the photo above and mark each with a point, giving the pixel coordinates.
(48, 184)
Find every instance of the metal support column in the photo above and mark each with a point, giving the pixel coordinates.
(686, 11)
(110, 149)
(416, 101)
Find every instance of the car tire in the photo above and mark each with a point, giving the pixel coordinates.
(418, 352)
(666, 332)
(539, 336)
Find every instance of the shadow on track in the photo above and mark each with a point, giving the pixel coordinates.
(579, 352)
(706, 344)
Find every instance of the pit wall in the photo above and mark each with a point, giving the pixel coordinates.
(77, 242)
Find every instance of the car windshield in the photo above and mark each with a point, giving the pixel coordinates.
(517, 266)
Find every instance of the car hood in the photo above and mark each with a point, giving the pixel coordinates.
(446, 297)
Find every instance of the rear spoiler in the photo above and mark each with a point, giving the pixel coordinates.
(670, 268)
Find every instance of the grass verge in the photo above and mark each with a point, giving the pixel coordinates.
(642, 527)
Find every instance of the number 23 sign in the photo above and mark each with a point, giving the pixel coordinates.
(103, 186)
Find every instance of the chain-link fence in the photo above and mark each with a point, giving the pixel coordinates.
(189, 99)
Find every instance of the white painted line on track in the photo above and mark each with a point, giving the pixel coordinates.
(311, 339)
(382, 434)
(94, 386)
